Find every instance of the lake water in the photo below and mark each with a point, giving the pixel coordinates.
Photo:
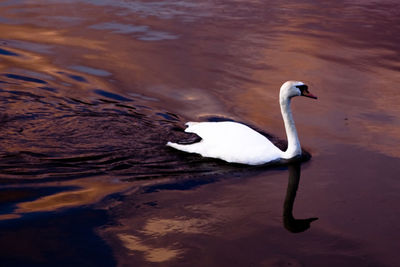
(91, 90)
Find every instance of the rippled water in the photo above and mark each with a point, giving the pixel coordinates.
(90, 92)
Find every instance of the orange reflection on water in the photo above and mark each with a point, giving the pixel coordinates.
(47, 36)
(9, 216)
(152, 254)
(88, 192)
(160, 227)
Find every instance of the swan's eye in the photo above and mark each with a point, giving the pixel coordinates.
(303, 88)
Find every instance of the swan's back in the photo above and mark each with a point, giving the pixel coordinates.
(230, 141)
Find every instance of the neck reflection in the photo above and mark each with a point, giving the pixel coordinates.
(290, 223)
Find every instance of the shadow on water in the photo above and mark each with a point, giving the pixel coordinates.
(290, 223)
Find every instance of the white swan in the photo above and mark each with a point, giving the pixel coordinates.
(237, 143)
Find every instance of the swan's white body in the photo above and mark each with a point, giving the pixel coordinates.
(237, 143)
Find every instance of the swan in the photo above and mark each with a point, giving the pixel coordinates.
(237, 143)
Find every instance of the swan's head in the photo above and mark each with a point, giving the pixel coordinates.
(294, 88)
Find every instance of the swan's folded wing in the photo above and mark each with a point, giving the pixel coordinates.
(225, 132)
(233, 142)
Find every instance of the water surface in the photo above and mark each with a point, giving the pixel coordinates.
(90, 92)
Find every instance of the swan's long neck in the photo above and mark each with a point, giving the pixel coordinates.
(293, 148)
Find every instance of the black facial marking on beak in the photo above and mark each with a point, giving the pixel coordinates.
(304, 91)
(303, 88)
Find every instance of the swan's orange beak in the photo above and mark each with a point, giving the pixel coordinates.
(306, 93)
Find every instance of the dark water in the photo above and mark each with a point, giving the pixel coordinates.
(90, 92)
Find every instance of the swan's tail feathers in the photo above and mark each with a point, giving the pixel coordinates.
(191, 148)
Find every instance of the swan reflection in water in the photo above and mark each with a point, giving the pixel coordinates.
(290, 223)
